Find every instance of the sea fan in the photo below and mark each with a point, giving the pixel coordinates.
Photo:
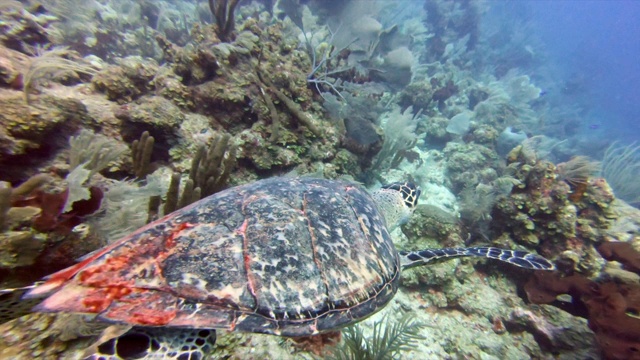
(51, 62)
(621, 167)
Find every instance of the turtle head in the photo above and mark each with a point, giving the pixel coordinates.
(396, 202)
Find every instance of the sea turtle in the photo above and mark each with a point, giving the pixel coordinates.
(283, 256)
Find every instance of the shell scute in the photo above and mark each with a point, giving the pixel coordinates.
(283, 274)
(350, 251)
(210, 267)
(144, 307)
(284, 256)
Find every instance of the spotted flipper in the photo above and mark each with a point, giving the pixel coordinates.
(158, 343)
(409, 259)
(12, 306)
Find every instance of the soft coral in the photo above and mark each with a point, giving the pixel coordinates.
(51, 204)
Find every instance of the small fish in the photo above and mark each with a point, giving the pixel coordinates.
(543, 93)
(203, 136)
(594, 126)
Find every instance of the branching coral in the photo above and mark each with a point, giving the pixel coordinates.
(124, 206)
(141, 150)
(577, 172)
(326, 64)
(175, 200)
(93, 151)
(72, 20)
(222, 11)
(267, 103)
(210, 170)
(293, 108)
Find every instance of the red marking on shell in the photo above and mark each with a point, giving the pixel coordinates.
(101, 275)
(100, 299)
(171, 239)
(247, 258)
(109, 288)
(144, 307)
(108, 273)
(107, 276)
(56, 280)
(152, 317)
(243, 228)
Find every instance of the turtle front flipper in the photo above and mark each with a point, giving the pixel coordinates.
(409, 259)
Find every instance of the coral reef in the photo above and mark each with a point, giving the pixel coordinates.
(470, 164)
(418, 94)
(128, 80)
(622, 252)
(200, 96)
(41, 335)
(223, 10)
(37, 235)
(611, 308)
(435, 223)
(566, 212)
(544, 212)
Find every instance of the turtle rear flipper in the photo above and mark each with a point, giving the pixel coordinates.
(12, 305)
(158, 343)
(409, 259)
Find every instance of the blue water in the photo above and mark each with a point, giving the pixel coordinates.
(595, 45)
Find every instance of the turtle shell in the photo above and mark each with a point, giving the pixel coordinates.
(283, 256)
